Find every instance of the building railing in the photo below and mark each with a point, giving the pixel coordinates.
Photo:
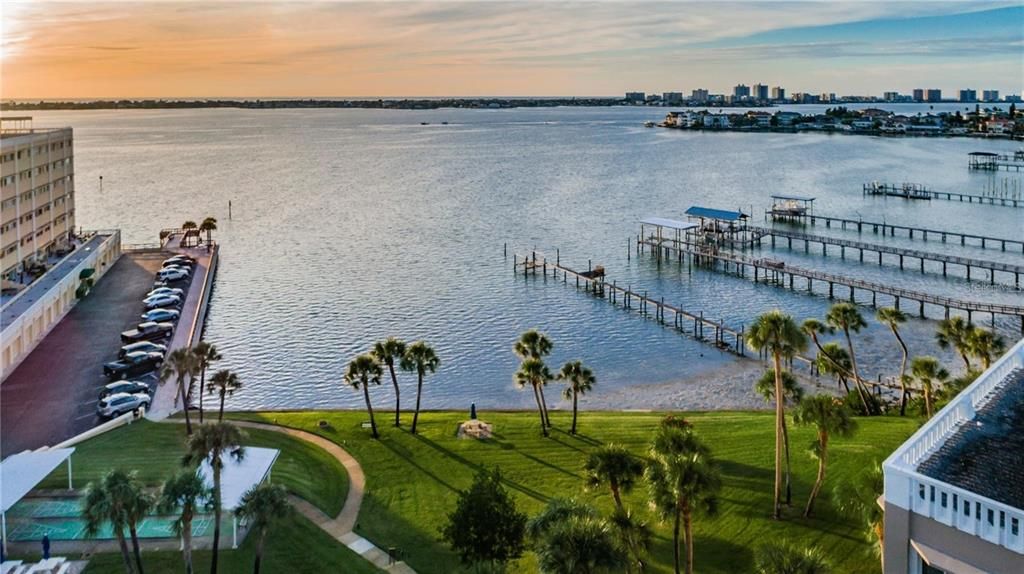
(953, 506)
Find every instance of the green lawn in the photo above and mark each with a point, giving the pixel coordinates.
(412, 480)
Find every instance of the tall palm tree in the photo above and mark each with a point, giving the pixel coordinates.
(779, 335)
(386, 352)
(534, 372)
(209, 225)
(205, 355)
(212, 442)
(684, 479)
(533, 344)
(792, 393)
(955, 332)
(846, 318)
(783, 557)
(985, 345)
(830, 417)
(834, 360)
(261, 506)
(929, 372)
(893, 317)
(580, 545)
(613, 465)
(106, 502)
(363, 371)
(857, 498)
(580, 380)
(224, 383)
(180, 364)
(419, 357)
(185, 491)
(189, 225)
(138, 503)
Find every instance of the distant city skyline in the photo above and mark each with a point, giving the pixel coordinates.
(434, 49)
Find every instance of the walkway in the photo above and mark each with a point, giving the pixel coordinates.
(339, 527)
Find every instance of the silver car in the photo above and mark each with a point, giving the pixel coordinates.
(117, 404)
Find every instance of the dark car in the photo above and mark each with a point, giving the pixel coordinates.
(130, 387)
(133, 364)
(143, 346)
(147, 332)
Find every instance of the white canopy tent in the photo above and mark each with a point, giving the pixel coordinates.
(20, 473)
(239, 476)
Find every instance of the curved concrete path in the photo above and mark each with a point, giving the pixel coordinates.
(340, 527)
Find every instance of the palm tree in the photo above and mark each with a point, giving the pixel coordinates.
(179, 365)
(893, 317)
(137, 504)
(419, 357)
(212, 442)
(786, 558)
(186, 491)
(846, 318)
(261, 506)
(834, 360)
(209, 225)
(224, 383)
(929, 372)
(683, 479)
(107, 502)
(580, 545)
(955, 332)
(188, 225)
(533, 344)
(580, 381)
(205, 355)
(535, 373)
(363, 371)
(778, 334)
(557, 511)
(635, 535)
(830, 417)
(792, 393)
(386, 352)
(613, 465)
(985, 345)
(857, 498)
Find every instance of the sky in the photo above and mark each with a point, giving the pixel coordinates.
(173, 49)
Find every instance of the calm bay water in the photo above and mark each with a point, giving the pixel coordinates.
(349, 226)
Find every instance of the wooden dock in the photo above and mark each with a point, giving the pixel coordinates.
(779, 273)
(1015, 271)
(918, 191)
(890, 229)
(986, 161)
(724, 337)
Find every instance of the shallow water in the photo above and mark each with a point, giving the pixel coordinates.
(352, 225)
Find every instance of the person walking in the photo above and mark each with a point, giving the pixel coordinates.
(46, 546)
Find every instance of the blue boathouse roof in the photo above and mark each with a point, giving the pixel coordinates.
(719, 214)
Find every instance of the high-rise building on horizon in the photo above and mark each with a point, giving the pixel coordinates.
(37, 185)
(778, 93)
(968, 95)
(990, 95)
(636, 97)
(759, 92)
(740, 91)
(933, 95)
(918, 94)
(699, 95)
(672, 98)
(891, 96)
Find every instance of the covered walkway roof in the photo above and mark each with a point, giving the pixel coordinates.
(719, 214)
(20, 473)
(669, 223)
(238, 476)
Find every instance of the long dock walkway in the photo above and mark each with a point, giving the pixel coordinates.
(915, 191)
(725, 337)
(777, 273)
(968, 263)
(890, 229)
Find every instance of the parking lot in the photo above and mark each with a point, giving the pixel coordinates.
(52, 395)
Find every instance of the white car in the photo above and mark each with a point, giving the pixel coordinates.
(160, 315)
(172, 274)
(120, 403)
(165, 291)
(158, 301)
(179, 260)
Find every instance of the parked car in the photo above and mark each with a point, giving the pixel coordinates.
(182, 258)
(142, 346)
(147, 332)
(129, 387)
(172, 274)
(176, 266)
(161, 301)
(133, 364)
(160, 315)
(116, 405)
(166, 291)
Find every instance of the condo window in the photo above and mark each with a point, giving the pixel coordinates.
(942, 499)
(991, 517)
(931, 496)
(967, 508)
(920, 491)
(1014, 526)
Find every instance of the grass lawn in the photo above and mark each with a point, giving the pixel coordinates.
(412, 481)
(296, 545)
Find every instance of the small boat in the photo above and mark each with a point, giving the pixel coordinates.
(424, 123)
(649, 124)
(444, 123)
